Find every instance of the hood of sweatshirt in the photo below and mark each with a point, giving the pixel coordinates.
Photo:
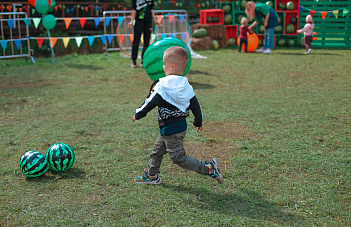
(176, 90)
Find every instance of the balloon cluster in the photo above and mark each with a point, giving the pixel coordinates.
(43, 7)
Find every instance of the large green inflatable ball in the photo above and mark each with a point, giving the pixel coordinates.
(33, 164)
(153, 57)
(60, 157)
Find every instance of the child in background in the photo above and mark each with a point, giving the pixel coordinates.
(174, 96)
(307, 30)
(244, 29)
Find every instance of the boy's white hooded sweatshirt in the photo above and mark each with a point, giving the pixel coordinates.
(174, 96)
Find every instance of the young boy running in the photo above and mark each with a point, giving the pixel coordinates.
(174, 96)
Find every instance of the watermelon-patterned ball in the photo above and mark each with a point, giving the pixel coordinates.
(33, 164)
(153, 57)
(60, 157)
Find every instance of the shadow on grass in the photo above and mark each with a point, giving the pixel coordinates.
(241, 202)
(201, 86)
(81, 66)
(199, 72)
(73, 173)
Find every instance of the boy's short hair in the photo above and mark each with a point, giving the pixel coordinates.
(177, 55)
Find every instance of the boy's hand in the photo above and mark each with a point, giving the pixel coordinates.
(198, 128)
(133, 118)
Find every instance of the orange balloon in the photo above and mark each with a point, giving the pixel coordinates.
(32, 2)
(252, 42)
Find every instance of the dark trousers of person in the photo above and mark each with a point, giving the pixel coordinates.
(139, 28)
(308, 41)
(243, 41)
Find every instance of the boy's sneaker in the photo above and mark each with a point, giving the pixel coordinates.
(214, 171)
(308, 51)
(133, 66)
(147, 179)
(267, 51)
(261, 50)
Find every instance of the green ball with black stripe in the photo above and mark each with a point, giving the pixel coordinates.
(33, 164)
(60, 157)
(153, 57)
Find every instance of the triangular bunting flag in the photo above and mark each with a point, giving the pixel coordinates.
(53, 41)
(36, 22)
(109, 38)
(10, 22)
(79, 41)
(312, 12)
(82, 21)
(171, 18)
(131, 37)
(26, 21)
(67, 22)
(159, 18)
(344, 12)
(107, 21)
(91, 40)
(65, 41)
(300, 8)
(40, 42)
(324, 14)
(103, 39)
(336, 12)
(33, 11)
(120, 20)
(97, 21)
(173, 35)
(3, 44)
(121, 38)
(163, 36)
(183, 35)
(18, 43)
(182, 17)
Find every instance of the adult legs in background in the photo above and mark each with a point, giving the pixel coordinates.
(147, 35)
(138, 29)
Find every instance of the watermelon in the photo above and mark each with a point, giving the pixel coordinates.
(215, 20)
(33, 164)
(261, 29)
(269, 3)
(209, 20)
(226, 8)
(291, 43)
(215, 44)
(60, 157)
(279, 20)
(282, 42)
(153, 57)
(238, 18)
(293, 20)
(302, 42)
(260, 42)
(228, 19)
(290, 6)
(231, 42)
(278, 29)
(290, 28)
(243, 5)
(281, 6)
(200, 33)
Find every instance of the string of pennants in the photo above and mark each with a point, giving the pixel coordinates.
(65, 40)
(82, 20)
(104, 7)
(324, 13)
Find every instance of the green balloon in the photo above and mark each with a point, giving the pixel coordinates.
(52, 7)
(153, 57)
(49, 21)
(42, 6)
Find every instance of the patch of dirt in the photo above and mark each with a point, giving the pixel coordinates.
(221, 142)
(36, 84)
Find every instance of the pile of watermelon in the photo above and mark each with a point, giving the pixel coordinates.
(289, 6)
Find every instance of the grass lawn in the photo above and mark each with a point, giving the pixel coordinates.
(279, 124)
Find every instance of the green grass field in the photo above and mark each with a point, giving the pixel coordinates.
(279, 124)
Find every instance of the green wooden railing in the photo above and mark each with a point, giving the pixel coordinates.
(331, 31)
